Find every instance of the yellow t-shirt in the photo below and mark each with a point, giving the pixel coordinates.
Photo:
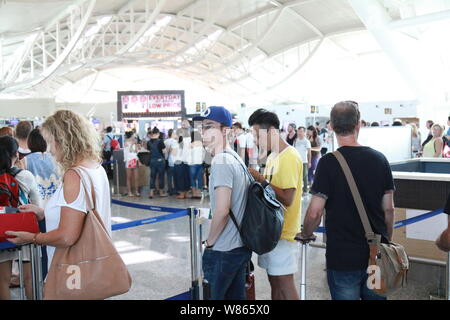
(285, 171)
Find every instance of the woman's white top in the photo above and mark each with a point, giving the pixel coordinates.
(102, 203)
(197, 154)
(130, 151)
(172, 145)
(186, 150)
(28, 185)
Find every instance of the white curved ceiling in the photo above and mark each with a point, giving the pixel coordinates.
(246, 44)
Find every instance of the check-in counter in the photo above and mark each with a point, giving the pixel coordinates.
(422, 185)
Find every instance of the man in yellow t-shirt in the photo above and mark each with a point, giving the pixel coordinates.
(284, 174)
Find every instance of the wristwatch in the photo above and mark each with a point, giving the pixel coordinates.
(206, 244)
(265, 183)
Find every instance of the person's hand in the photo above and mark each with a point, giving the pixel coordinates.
(256, 175)
(305, 238)
(33, 208)
(20, 237)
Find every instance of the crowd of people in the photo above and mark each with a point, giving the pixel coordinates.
(51, 161)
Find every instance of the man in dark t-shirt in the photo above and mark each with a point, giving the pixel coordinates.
(443, 241)
(347, 251)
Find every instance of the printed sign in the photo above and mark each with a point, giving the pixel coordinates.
(150, 103)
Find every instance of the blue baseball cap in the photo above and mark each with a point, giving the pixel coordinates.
(219, 114)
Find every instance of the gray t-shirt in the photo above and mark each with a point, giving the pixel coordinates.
(226, 171)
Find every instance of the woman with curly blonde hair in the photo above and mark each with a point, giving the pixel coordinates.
(74, 143)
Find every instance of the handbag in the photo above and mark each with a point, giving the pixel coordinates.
(90, 269)
(390, 260)
(11, 220)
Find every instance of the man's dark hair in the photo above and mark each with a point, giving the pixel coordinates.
(375, 124)
(108, 129)
(170, 133)
(36, 142)
(328, 121)
(301, 128)
(397, 124)
(23, 130)
(265, 119)
(345, 117)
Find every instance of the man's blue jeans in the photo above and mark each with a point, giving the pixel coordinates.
(225, 272)
(350, 285)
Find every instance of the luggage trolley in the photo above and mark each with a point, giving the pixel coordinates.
(303, 256)
(36, 268)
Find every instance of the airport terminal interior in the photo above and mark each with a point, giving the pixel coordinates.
(146, 76)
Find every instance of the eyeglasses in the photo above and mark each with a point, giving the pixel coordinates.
(207, 127)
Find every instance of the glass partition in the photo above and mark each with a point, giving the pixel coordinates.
(393, 142)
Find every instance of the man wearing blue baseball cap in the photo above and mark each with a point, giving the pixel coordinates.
(225, 258)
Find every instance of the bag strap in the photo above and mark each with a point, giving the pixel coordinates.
(90, 202)
(371, 237)
(243, 167)
(14, 171)
(251, 180)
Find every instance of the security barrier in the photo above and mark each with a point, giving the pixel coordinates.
(36, 268)
(198, 291)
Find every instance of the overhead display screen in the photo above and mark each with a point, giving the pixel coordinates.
(144, 104)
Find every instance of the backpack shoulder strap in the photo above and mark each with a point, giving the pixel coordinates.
(243, 167)
(14, 171)
(234, 220)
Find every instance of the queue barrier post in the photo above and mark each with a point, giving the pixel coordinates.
(448, 276)
(116, 172)
(200, 287)
(193, 251)
(33, 276)
(21, 277)
(37, 272)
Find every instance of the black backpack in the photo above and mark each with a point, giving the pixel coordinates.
(263, 219)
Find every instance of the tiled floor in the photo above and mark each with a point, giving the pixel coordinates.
(158, 256)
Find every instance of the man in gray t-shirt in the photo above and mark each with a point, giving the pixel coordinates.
(227, 171)
(225, 258)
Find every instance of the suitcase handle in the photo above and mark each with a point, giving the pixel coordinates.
(305, 241)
